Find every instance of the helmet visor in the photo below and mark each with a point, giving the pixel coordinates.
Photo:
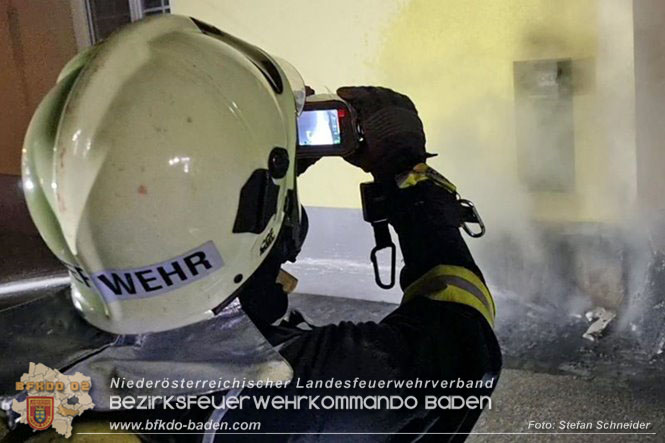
(295, 81)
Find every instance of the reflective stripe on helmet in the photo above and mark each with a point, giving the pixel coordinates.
(454, 284)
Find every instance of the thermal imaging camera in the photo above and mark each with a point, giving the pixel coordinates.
(327, 126)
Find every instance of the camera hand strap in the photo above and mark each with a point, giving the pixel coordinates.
(375, 212)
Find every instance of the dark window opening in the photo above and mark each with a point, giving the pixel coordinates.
(105, 16)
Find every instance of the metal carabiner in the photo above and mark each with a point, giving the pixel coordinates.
(468, 204)
(375, 263)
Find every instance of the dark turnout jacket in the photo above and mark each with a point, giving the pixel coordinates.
(442, 331)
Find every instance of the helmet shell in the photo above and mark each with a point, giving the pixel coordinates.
(134, 163)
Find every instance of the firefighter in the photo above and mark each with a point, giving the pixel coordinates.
(161, 170)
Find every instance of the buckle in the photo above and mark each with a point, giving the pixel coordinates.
(473, 219)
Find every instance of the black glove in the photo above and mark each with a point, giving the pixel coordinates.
(394, 140)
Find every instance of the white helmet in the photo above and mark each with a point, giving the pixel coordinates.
(161, 168)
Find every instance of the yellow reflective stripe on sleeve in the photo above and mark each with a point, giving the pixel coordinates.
(422, 172)
(454, 284)
(411, 180)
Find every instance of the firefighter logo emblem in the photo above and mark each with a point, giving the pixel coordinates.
(53, 399)
(40, 412)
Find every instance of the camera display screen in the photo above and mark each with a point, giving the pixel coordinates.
(319, 128)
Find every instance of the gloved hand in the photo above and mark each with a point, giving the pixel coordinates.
(394, 140)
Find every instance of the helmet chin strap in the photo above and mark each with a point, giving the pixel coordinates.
(262, 298)
(295, 226)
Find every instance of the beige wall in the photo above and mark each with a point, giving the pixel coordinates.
(455, 59)
(650, 109)
(36, 40)
(330, 43)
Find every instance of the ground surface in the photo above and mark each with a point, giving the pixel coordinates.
(551, 374)
(523, 395)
